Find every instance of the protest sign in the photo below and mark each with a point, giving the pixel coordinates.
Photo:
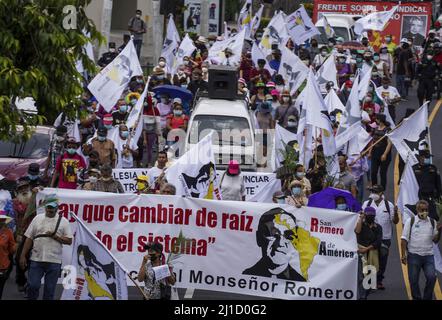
(245, 248)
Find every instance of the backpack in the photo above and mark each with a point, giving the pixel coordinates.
(411, 226)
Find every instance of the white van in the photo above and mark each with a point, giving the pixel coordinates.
(342, 24)
(232, 122)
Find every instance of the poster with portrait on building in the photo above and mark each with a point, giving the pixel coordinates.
(192, 16)
(415, 27)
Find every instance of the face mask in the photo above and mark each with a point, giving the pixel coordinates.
(93, 179)
(429, 57)
(323, 53)
(291, 124)
(60, 138)
(374, 197)
(300, 174)
(341, 61)
(205, 70)
(124, 134)
(427, 161)
(140, 81)
(423, 214)
(410, 43)
(160, 77)
(141, 186)
(286, 99)
(101, 139)
(123, 109)
(376, 58)
(178, 112)
(90, 109)
(341, 206)
(384, 51)
(138, 16)
(184, 86)
(162, 64)
(368, 99)
(353, 56)
(331, 44)
(72, 151)
(112, 50)
(358, 60)
(388, 39)
(296, 191)
(369, 219)
(108, 126)
(280, 200)
(32, 177)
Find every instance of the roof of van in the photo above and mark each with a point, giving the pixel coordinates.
(221, 107)
(338, 20)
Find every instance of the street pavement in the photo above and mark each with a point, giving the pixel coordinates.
(394, 281)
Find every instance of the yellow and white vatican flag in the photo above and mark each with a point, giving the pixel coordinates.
(194, 174)
(109, 84)
(185, 50)
(95, 272)
(329, 31)
(274, 33)
(245, 17)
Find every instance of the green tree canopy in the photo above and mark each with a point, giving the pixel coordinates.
(38, 57)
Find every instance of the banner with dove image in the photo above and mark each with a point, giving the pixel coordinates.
(300, 26)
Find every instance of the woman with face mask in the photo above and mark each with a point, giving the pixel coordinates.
(387, 58)
(106, 183)
(320, 58)
(93, 176)
(127, 149)
(7, 249)
(380, 154)
(265, 122)
(381, 67)
(297, 196)
(176, 121)
(259, 97)
(344, 69)
(285, 109)
(300, 176)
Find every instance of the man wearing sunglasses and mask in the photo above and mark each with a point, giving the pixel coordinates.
(418, 236)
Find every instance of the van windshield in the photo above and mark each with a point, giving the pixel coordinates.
(35, 148)
(339, 32)
(231, 131)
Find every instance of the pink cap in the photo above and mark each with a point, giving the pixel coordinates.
(270, 84)
(373, 125)
(241, 80)
(233, 167)
(274, 92)
(108, 119)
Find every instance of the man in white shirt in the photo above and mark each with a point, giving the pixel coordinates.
(46, 235)
(419, 234)
(386, 216)
(156, 174)
(390, 95)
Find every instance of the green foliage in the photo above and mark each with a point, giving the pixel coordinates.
(37, 59)
(232, 7)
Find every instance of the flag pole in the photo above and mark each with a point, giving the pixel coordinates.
(316, 146)
(139, 288)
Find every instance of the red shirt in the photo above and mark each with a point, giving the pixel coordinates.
(438, 58)
(177, 122)
(67, 167)
(7, 244)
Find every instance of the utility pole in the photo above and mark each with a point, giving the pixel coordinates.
(106, 18)
(157, 30)
(204, 18)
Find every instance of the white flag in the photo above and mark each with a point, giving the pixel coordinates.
(275, 32)
(316, 114)
(411, 135)
(170, 44)
(245, 17)
(236, 43)
(194, 174)
(327, 72)
(258, 54)
(333, 102)
(137, 110)
(348, 134)
(256, 21)
(352, 112)
(374, 21)
(364, 83)
(300, 26)
(292, 69)
(109, 84)
(408, 191)
(98, 275)
(283, 139)
(329, 31)
(185, 50)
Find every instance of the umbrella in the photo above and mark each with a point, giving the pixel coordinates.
(326, 199)
(173, 92)
(353, 45)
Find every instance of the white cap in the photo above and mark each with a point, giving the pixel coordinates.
(177, 100)
(202, 39)
(404, 40)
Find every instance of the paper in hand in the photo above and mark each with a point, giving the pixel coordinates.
(161, 272)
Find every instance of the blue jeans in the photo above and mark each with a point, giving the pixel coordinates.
(138, 44)
(415, 264)
(37, 270)
(400, 85)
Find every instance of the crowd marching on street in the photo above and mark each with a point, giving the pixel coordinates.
(355, 92)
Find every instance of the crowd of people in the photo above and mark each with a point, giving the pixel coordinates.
(104, 142)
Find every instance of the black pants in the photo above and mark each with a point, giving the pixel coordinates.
(383, 259)
(425, 90)
(3, 278)
(378, 165)
(392, 112)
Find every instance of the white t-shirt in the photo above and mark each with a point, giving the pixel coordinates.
(124, 162)
(232, 187)
(153, 174)
(382, 217)
(47, 249)
(422, 234)
(387, 94)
